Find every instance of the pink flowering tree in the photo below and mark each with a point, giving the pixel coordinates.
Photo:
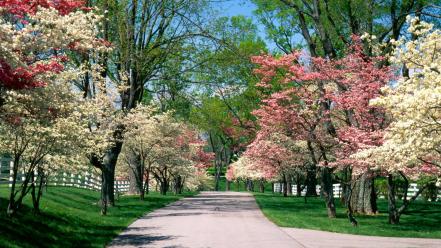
(324, 103)
(35, 37)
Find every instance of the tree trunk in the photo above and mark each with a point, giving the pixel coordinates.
(261, 185)
(227, 186)
(104, 198)
(327, 191)
(177, 184)
(363, 197)
(133, 185)
(285, 186)
(163, 187)
(249, 185)
(311, 181)
(218, 168)
(298, 189)
(135, 174)
(394, 217)
(11, 205)
(147, 182)
(37, 192)
(108, 174)
(289, 186)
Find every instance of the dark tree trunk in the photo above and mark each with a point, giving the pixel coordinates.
(218, 168)
(261, 185)
(142, 194)
(163, 187)
(289, 186)
(37, 191)
(249, 185)
(345, 193)
(217, 162)
(285, 186)
(107, 184)
(363, 197)
(228, 185)
(298, 189)
(108, 176)
(394, 217)
(311, 181)
(11, 205)
(177, 185)
(135, 174)
(327, 191)
(16, 203)
(147, 182)
(395, 211)
(272, 187)
(133, 185)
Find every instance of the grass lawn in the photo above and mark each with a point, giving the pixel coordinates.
(422, 219)
(71, 218)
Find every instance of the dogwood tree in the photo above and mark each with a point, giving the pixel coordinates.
(36, 36)
(43, 130)
(411, 147)
(325, 103)
(157, 145)
(43, 119)
(244, 169)
(294, 105)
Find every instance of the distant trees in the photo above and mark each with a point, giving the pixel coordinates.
(159, 147)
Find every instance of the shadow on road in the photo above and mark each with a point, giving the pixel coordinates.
(139, 239)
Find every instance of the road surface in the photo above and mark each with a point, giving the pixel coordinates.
(233, 219)
(210, 219)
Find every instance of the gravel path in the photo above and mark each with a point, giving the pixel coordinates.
(233, 219)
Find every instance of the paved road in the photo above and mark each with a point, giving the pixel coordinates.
(320, 239)
(232, 219)
(210, 219)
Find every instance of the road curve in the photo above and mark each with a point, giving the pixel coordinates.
(210, 219)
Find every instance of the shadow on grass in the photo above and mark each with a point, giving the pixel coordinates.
(71, 218)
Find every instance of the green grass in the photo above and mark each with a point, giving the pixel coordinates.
(71, 217)
(422, 219)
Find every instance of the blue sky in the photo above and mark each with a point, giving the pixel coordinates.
(245, 8)
(238, 7)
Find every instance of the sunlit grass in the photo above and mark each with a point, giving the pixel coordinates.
(71, 217)
(422, 219)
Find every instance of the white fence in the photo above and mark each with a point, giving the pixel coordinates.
(413, 189)
(87, 180)
(336, 188)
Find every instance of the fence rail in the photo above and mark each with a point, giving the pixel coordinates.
(338, 190)
(87, 180)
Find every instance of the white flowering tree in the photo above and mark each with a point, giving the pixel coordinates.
(43, 121)
(412, 144)
(157, 145)
(43, 130)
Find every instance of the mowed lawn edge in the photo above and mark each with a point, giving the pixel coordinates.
(70, 217)
(421, 220)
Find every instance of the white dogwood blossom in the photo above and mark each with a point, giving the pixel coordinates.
(412, 142)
